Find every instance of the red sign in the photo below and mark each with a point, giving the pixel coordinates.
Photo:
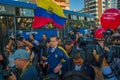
(110, 19)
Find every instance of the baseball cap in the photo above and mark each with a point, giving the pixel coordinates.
(21, 54)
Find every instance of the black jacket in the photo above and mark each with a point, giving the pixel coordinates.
(86, 69)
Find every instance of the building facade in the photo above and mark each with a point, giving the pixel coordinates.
(115, 4)
(96, 7)
(118, 4)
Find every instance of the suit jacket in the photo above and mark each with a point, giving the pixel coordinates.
(85, 68)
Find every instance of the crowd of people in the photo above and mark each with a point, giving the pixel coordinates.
(72, 58)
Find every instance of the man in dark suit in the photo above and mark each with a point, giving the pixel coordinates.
(76, 63)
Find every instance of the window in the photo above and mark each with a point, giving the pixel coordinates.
(24, 23)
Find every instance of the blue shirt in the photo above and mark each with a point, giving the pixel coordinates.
(29, 74)
(107, 70)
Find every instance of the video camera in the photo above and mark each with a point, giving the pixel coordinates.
(19, 37)
(112, 42)
(87, 45)
(108, 37)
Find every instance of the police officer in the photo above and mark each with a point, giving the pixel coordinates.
(55, 56)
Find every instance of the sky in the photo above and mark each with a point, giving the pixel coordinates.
(76, 4)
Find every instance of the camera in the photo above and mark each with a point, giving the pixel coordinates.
(8, 72)
(19, 37)
(116, 37)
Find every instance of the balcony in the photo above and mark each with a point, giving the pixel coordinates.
(62, 4)
(65, 1)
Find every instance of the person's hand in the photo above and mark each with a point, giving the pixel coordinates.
(1, 57)
(106, 48)
(32, 57)
(12, 37)
(44, 64)
(12, 76)
(58, 68)
(96, 56)
(44, 58)
(104, 63)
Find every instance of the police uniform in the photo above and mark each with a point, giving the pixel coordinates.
(55, 55)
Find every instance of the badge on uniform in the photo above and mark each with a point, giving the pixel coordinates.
(56, 56)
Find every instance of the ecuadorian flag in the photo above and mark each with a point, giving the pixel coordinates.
(48, 12)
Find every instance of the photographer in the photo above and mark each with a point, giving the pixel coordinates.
(21, 58)
(3, 65)
(115, 50)
(18, 42)
(106, 69)
(100, 55)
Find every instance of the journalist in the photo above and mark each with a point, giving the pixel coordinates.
(105, 68)
(28, 71)
(100, 54)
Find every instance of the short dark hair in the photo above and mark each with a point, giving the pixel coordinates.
(51, 77)
(79, 54)
(68, 42)
(75, 75)
(54, 36)
(44, 34)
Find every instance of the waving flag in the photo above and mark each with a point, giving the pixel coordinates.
(48, 12)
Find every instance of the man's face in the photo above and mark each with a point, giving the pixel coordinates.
(68, 47)
(18, 63)
(20, 44)
(53, 42)
(78, 61)
(22, 25)
(44, 37)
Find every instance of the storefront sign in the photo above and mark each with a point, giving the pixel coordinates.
(38, 33)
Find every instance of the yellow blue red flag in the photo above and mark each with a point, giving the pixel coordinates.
(47, 11)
